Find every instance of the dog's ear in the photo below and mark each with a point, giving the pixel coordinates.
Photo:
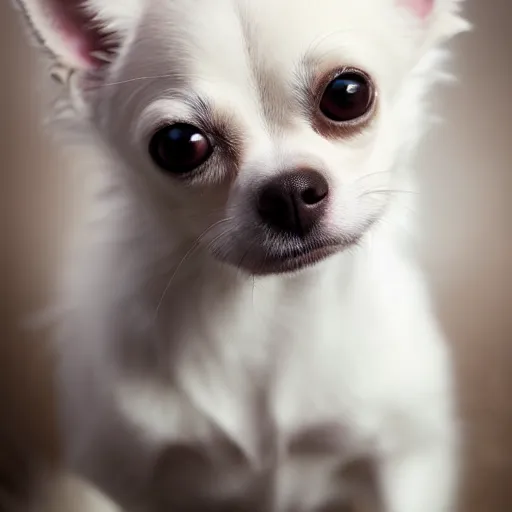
(81, 34)
(441, 18)
(421, 8)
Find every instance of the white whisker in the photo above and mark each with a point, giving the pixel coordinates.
(195, 245)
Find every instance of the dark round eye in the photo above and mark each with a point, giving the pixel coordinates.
(347, 98)
(179, 148)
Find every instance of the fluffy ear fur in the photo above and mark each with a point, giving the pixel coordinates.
(440, 17)
(80, 34)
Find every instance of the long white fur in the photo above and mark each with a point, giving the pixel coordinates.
(163, 346)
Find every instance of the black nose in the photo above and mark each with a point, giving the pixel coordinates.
(294, 202)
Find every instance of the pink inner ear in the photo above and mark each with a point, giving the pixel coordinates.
(421, 8)
(80, 32)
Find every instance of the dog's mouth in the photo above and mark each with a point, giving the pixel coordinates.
(277, 258)
(296, 260)
(282, 261)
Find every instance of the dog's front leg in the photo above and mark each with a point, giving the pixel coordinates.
(422, 479)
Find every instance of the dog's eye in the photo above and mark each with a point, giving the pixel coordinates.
(347, 98)
(180, 148)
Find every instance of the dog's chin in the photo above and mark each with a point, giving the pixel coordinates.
(270, 262)
(289, 263)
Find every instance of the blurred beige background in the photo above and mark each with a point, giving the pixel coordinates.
(467, 164)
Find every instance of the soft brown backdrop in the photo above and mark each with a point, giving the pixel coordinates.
(467, 164)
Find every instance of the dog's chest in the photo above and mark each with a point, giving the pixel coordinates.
(307, 472)
(262, 415)
(271, 384)
(274, 435)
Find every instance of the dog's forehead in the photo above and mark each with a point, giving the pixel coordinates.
(230, 35)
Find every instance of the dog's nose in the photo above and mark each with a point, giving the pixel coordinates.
(294, 202)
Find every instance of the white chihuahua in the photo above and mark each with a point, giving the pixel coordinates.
(248, 328)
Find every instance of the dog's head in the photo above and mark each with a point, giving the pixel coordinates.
(272, 131)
